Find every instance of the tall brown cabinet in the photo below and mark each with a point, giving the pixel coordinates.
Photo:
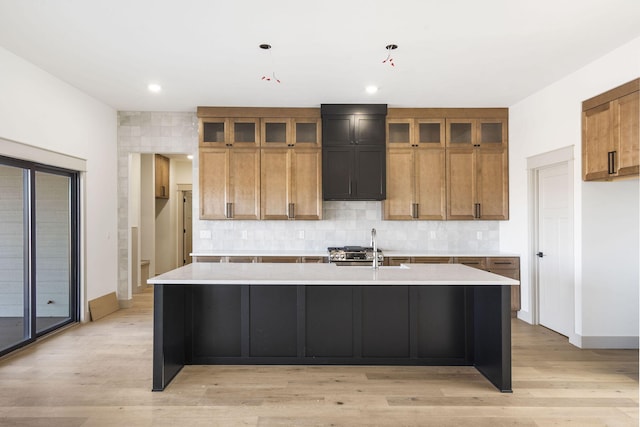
(610, 134)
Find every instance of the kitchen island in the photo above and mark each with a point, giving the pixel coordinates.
(435, 314)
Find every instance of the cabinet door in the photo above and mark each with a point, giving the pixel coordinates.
(214, 133)
(430, 133)
(337, 130)
(245, 132)
(306, 184)
(461, 133)
(337, 172)
(275, 133)
(492, 186)
(244, 183)
(492, 133)
(371, 166)
(214, 180)
(161, 177)
(461, 184)
(306, 133)
(400, 133)
(430, 184)
(627, 113)
(400, 202)
(369, 129)
(275, 182)
(597, 128)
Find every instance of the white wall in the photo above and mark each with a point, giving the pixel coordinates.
(39, 110)
(551, 119)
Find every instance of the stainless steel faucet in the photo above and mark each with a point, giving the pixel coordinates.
(374, 244)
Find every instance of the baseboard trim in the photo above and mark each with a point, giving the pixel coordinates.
(125, 303)
(613, 343)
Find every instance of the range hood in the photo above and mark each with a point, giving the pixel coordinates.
(353, 151)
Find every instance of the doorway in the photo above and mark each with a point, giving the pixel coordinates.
(553, 300)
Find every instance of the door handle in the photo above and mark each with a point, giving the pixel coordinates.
(540, 254)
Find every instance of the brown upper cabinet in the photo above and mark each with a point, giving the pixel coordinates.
(447, 163)
(260, 163)
(610, 134)
(229, 132)
(481, 133)
(291, 184)
(477, 169)
(161, 177)
(415, 184)
(229, 183)
(425, 133)
(290, 132)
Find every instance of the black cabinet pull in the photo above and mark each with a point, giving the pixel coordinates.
(292, 212)
(477, 212)
(612, 162)
(229, 210)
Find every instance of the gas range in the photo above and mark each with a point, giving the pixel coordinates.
(353, 255)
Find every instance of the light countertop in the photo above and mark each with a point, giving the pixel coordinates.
(328, 274)
(387, 253)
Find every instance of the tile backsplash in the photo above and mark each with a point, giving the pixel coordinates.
(347, 223)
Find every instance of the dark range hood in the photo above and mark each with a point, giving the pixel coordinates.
(353, 151)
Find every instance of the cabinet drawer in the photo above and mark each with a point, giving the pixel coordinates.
(475, 262)
(280, 259)
(431, 260)
(503, 262)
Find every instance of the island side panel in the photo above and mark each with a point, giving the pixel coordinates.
(168, 333)
(492, 332)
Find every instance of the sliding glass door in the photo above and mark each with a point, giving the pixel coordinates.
(14, 290)
(38, 251)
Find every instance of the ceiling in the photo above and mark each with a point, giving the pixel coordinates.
(453, 53)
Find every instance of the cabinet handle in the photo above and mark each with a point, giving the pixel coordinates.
(292, 211)
(163, 191)
(502, 263)
(612, 162)
(414, 212)
(229, 212)
(349, 186)
(476, 213)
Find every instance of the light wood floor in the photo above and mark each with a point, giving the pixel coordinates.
(99, 374)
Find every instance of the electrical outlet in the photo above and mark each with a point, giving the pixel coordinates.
(205, 234)
(432, 234)
(245, 235)
(479, 235)
(301, 234)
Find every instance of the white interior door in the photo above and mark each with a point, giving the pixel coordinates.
(555, 250)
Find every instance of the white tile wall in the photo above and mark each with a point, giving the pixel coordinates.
(349, 223)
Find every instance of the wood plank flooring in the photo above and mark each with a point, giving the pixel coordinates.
(99, 374)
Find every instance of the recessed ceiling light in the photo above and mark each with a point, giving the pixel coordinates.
(371, 89)
(154, 87)
(190, 156)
